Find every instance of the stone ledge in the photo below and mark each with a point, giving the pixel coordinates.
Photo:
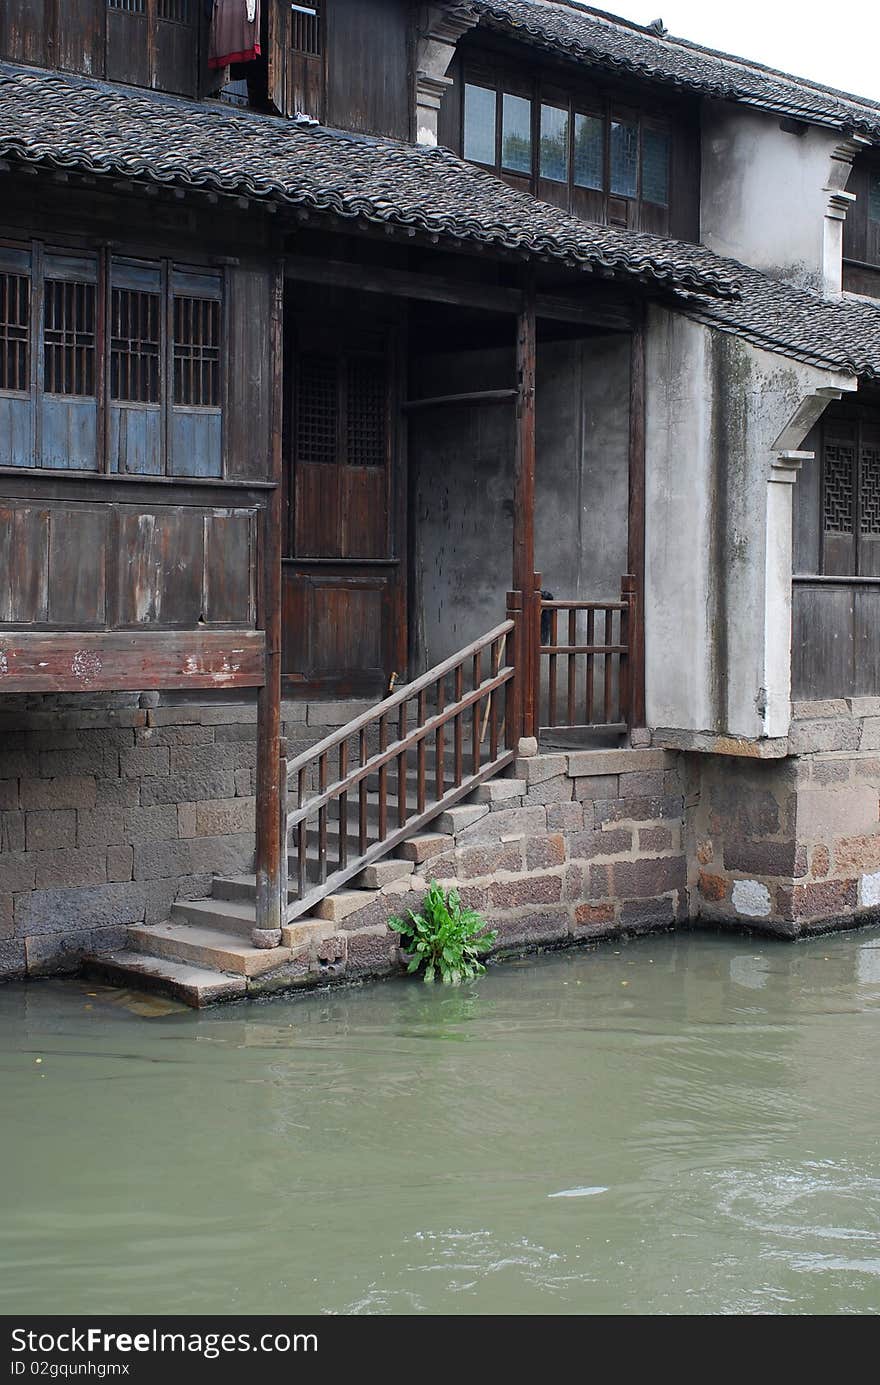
(713, 743)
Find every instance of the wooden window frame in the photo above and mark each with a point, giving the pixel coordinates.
(833, 435)
(46, 262)
(575, 103)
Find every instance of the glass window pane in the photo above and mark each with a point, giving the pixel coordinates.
(589, 151)
(624, 158)
(479, 124)
(655, 166)
(874, 197)
(516, 133)
(554, 143)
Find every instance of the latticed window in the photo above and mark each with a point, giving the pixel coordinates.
(851, 497)
(15, 316)
(305, 28)
(135, 344)
(196, 351)
(869, 490)
(128, 6)
(366, 411)
(341, 410)
(317, 409)
(839, 496)
(157, 329)
(176, 11)
(69, 337)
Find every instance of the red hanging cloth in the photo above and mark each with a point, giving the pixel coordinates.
(235, 32)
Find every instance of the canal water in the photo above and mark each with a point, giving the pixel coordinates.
(678, 1125)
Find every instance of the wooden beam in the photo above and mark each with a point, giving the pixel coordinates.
(271, 835)
(46, 661)
(475, 397)
(456, 291)
(636, 522)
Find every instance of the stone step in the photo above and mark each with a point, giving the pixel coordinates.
(234, 917)
(382, 873)
(423, 846)
(194, 986)
(462, 815)
(497, 791)
(210, 948)
(336, 907)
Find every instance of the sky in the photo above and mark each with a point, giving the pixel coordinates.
(837, 44)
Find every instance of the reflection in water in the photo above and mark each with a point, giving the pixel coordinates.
(677, 1125)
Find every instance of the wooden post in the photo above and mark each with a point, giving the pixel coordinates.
(524, 500)
(513, 703)
(636, 539)
(271, 907)
(629, 620)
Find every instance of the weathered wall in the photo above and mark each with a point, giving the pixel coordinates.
(793, 846)
(110, 811)
(462, 479)
(766, 194)
(722, 419)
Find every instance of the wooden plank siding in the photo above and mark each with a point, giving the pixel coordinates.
(120, 662)
(145, 43)
(836, 582)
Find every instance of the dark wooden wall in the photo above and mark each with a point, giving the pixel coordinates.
(148, 43)
(344, 571)
(369, 79)
(861, 230)
(836, 585)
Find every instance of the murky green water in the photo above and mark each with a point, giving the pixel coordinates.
(684, 1125)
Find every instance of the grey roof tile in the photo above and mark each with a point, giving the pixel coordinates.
(77, 123)
(594, 37)
(840, 334)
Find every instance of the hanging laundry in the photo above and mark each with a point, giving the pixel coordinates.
(235, 32)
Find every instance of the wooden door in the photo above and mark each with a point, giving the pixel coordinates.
(344, 588)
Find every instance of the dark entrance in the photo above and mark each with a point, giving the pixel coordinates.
(344, 573)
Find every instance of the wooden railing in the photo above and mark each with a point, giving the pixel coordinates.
(369, 786)
(584, 671)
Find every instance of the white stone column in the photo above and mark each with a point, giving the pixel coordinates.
(784, 470)
(441, 28)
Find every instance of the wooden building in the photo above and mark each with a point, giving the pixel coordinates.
(419, 361)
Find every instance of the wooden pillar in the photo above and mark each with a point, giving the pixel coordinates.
(524, 501)
(271, 838)
(636, 529)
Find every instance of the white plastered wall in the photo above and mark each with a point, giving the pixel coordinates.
(724, 421)
(773, 197)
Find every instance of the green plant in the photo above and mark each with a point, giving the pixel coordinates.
(444, 937)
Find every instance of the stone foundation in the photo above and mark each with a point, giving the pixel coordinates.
(111, 810)
(109, 813)
(793, 846)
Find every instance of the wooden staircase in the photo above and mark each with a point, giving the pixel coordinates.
(409, 764)
(361, 808)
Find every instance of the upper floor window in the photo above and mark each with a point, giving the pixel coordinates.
(306, 35)
(109, 364)
(603, 162)
(874, 197)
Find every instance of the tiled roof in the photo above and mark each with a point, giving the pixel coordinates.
(71, 122)
(841, 334)
(591, 36)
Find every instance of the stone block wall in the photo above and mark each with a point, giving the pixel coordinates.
(110, 812)
(113, 808)
(792, 846)
(578, 846)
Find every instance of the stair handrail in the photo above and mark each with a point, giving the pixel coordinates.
(404, 693)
